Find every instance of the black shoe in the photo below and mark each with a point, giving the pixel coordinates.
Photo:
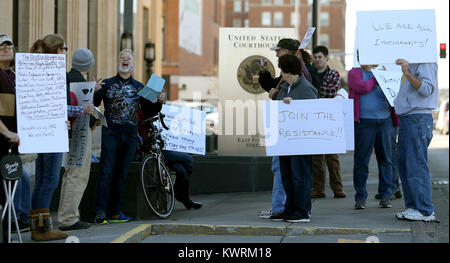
(77, 226)
(398, 194)
(191, 204)
(23, 227)
(378, 196)
(296, 219)
(278, 217)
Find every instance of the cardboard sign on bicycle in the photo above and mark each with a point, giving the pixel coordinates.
(187, 130)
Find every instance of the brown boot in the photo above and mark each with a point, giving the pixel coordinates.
(41, 227)
(318, 194)
(339, 194)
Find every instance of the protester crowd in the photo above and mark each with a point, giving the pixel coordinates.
(297, 179)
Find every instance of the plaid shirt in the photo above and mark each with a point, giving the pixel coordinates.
(330, 84)
(74, 111)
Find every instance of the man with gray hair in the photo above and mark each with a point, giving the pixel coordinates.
(119, 140)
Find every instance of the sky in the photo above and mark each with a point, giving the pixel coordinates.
(442, 25)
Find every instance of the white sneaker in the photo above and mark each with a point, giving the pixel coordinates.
(409, 211)
(265, 214)
(420, 217)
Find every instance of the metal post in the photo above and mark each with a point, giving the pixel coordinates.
(315, 22)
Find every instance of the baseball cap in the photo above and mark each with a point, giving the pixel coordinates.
(286, 43)
(5, 38)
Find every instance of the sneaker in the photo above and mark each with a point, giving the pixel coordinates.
(278, 217)
(77, 226)
(121, 218)
(385, 203)
(265, 214)
(419, 217)
(360, 204)
(409, 211)
(101, 220)
(296, 219)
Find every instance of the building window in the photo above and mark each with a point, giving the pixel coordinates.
(309, 19)
(278, 2)
(293, 19)
(266, 2)
(237, 22)
(324, 40)
(278, 19)
(266, 19)
(237, 6)
(324, 19)
(247, 6)
(246, 23)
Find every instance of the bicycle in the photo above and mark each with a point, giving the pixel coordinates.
(155, 178)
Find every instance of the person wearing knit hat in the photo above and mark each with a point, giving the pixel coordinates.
(83, 60)
(75, 180)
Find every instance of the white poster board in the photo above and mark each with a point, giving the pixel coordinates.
(306, 127)
(309, 34)
(84, 91)
(187, 130)
(41, 98)
(349, 124)
(190, 30)
(385, 36)
(389, 82)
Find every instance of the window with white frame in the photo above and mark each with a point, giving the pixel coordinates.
(237, 7)
(278, 19)
(237, 22)
(324, 19)
(266, 19)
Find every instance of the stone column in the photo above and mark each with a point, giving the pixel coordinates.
(36, 20)
(103, 36)
(73, 25)
(6, 17)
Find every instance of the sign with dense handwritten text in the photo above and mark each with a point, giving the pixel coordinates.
(84, 91)
(385, 36)
(187, 130)
(389, 82)
(41, 99)
(306, 127)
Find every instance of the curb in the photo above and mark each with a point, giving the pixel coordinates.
(143, 231)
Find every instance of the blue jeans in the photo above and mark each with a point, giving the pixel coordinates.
(48, 169)
(22, 197)
(278, 193)
(297, 181)
(395, 161)
(181, 164)
(370, 134)
(415, 135)
(118, 149)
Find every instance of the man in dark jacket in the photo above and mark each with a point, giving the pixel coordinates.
(119, 140)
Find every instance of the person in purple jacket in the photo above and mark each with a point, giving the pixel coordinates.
(374, 126)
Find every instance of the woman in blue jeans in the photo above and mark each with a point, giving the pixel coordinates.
(374, 127)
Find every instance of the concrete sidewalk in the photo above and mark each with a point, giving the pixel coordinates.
(236, 215)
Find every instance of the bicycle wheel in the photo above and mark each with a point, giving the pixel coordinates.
(157, 187)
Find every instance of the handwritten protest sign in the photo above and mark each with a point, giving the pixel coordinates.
(306, 127)
(84, 91)
(187, 130)
(389, 82)
(349, 124)
(41, 98)
(385, 36)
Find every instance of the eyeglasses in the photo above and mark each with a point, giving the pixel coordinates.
(6, 48)
(65, 48)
